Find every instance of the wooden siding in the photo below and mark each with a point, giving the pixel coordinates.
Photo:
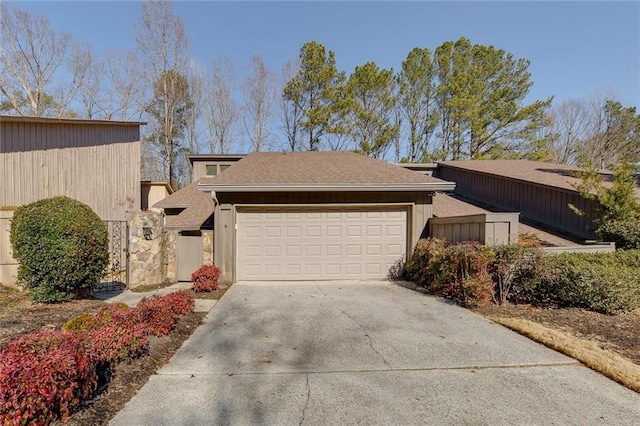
(540, 203)
(106, 177)
(487, 228)
(32, 136)
(8, 265)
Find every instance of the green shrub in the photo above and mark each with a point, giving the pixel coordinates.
(625, 233)
(465, 273)
(423, 265)
(602, 282)
(513, 270)
(470, 274)
(62, 247)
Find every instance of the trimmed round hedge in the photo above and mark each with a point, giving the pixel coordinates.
(62, 246)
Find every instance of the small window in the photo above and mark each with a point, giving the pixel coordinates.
(212, 169)
(223, 168)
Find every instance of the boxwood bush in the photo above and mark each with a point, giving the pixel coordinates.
(62, 247)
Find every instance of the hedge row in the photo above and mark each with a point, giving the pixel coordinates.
(44, 375)
(472, 274)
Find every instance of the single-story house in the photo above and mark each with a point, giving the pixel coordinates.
(316, 215)
(540, 192)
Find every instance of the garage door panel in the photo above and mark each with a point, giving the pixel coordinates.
(299, 244)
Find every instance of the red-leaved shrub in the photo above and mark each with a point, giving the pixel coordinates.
(115, 343)
(180, 302)
(159, 314)
(205, 278)
(44, 375)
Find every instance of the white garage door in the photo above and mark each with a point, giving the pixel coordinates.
(312, 244)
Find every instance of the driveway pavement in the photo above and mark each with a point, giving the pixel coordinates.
(367, 353)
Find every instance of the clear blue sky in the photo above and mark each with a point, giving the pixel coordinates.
(575, 48)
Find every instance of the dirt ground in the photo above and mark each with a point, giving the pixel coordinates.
(619, 333)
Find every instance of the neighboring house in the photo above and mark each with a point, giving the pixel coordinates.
(316, 216)
(189, 215)
(153, 192)
(94, 161)
(540, 192)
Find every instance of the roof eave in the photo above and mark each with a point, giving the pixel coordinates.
(183, 227)
(399, 187)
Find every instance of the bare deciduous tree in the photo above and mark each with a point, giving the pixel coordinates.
(290, 112)
(32, 63)
(258, 91)
(91, 92)
(164, 49)
(124, 97)
(221, 111)
(572, 121)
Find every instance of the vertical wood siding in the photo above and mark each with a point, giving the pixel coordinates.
(544, 204)
(96, 164)
(32, 136)
(487, 228)
(8, 265)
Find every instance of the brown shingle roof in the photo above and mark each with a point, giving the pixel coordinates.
(447, 206)
(185, 197)
(550, 174)
(190, 219)
(315, 168)
(198, 206)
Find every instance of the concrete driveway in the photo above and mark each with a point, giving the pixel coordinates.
(367, 353)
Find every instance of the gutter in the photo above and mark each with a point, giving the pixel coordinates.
(394, 187)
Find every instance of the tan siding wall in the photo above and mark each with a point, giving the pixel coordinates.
(199, 170)
(106, 177)
(490, 229)
(23, 136)
(151, 194)
(8, 265)
(200, 167)
(224, 248)
(543, 204)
